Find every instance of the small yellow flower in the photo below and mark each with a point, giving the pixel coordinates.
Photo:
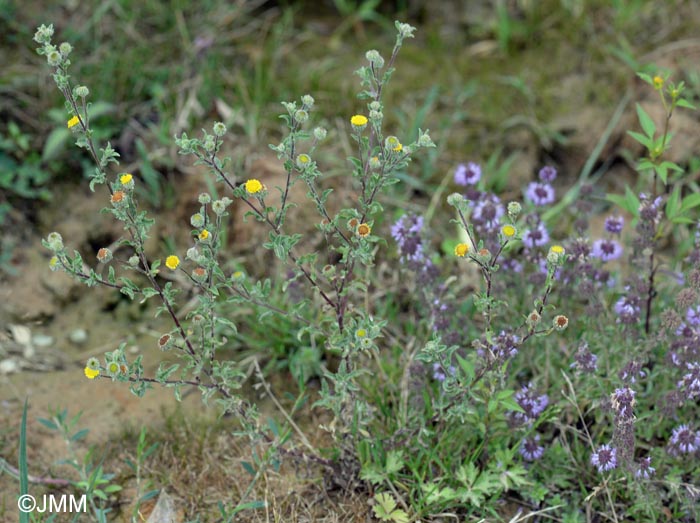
(237, 275)
(253, 186)
(397, 148)
(358, 120)
(53, 263)
(172, 262)
(508, 231)
(658, 82)
(91, 374)
(73, 122)
(363, 230)
(113, 368)
(556, 249)
(361, 333)
(204, 235)
(125, 178)
(461, 250)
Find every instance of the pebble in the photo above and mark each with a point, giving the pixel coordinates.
(21, 334)
(42, 340)
(9, 366)
(78, 336)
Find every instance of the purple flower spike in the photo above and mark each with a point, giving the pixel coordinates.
(607, 250)
(540, 193)
(614, 224)
(467, 174)
(605, 458)
(547, 174)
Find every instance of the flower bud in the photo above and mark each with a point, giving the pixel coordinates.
(219, 129)
(308, 101)
(81, 91)
(455, 199)
(374, 58)
(197, 220)
(301, 116)
(65, 48)
(320, 133)
(55, 241)
(514, 209)
(204, 198)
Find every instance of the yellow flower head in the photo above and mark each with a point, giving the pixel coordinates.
(461, 250)
(253, 186)
(53, 263)
(73, 122)
(363, 230)
(91, 374)
(658, 82)
(172, 262)
(556, 249)
(237, 275)
(113, 368)
(125, 178)
(204, 234)
(361, 333)
(508, 231)
(358, 120)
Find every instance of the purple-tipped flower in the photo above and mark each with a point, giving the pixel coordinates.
(540, 193)
(605, 458)
(467, 174)
(690, 384)
(614, 224)
(536, 237)
(693, 315)
(632, 370)
(530, 449)
(487, 211)
(585, 360)
(547, 174)
(627, 311)
(623, 403)
(683, 440)
(439, 373)
(531, 402)
(645, 470)
(607, 250)
(407, 234)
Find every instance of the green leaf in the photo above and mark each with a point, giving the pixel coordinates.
(673, 202)
(55, 143)
(689, 202)
(646, 122)
(685, 103)
(394, 461)
(386, 510)
(646, 142)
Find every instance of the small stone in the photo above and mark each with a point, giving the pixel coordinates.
(42, 340)
(9, 366)
(78, 336)
(21, 334)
